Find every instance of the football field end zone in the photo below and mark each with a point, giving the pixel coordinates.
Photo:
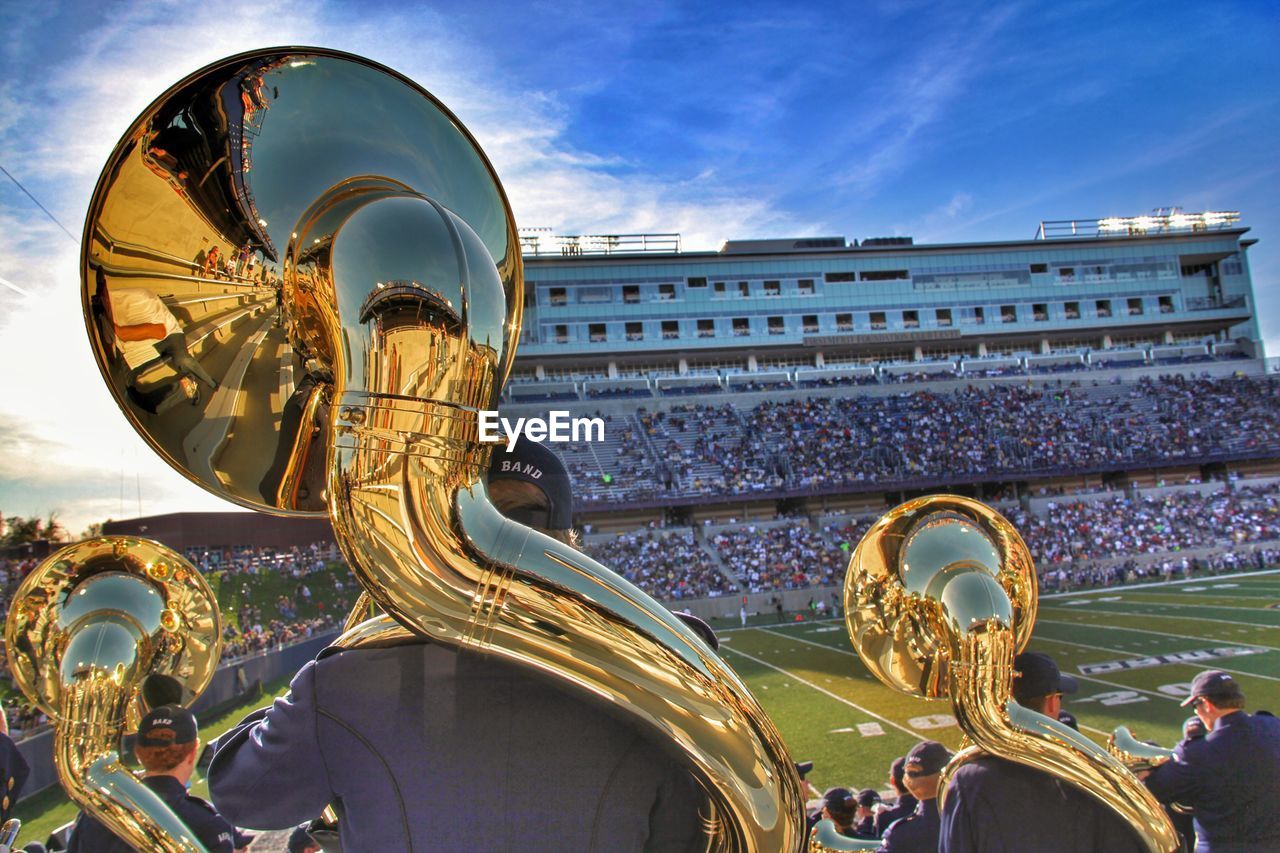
(1162, 720)
(1167, 717)
(1152, 717)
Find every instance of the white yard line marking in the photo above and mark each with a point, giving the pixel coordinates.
(1175, 616)
(1141, 586)
(826, 692)
(855, 654)
(1144, 631)
(1172, 604)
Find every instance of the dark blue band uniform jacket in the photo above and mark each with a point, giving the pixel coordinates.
(993, 805)
(423, 748)
(90, 836)
(1231, 778)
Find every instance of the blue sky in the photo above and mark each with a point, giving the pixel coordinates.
(944, 121)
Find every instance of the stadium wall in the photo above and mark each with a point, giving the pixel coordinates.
(181, 530)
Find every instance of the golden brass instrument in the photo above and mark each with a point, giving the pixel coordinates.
(1139, 756)
(372, 312)
(825, 838)
(1135, 754)
(98, 633)
(940, 596)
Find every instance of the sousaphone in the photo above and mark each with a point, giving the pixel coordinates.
(303, 283)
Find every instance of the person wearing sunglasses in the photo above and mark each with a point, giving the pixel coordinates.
(1231, 776)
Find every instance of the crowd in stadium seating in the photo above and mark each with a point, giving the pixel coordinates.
(790, 556)
(246, 560)
(1176, 521)
(669, 566)
(256, 637)
(1074, 544)
(985, 430)
(707, 450)
(1069, 576)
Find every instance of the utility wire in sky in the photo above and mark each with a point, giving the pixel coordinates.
(39, 205)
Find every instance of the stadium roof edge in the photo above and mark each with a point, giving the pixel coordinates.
(921, 248)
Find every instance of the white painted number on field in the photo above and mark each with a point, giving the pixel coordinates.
(870, 729)
(1115, 697)
(932, 721)
(1179, 690)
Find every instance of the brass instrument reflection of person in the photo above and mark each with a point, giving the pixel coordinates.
(146, 332)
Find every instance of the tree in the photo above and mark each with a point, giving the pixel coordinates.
(53, 529)
(19, 530)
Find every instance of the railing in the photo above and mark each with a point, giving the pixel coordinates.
(1160, 222)
(1210, 303)
(572, 245)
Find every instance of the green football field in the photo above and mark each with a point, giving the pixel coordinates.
(1128, 647)
(1134, 651)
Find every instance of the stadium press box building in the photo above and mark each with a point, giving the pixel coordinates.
(634, 306)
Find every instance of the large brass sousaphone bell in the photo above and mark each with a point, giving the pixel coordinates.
(97, 634)
(336, 363)
(940, 596)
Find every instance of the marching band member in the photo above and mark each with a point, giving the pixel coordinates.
(918, 833)
(1231, 776)
(426, 747)
(995, 805)
(167, 746)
